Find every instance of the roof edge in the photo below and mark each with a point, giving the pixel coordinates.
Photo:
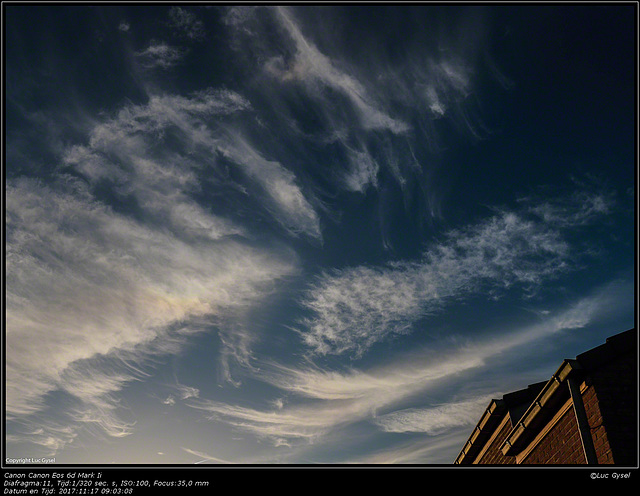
(614, 346)
(549, 392)
(485, 426)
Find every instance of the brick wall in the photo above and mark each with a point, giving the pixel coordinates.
(597, 426)
(493, 455)
(610, 399)
(611, 405)
(560, 446)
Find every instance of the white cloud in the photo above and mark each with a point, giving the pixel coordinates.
(320, 402)
(205, 457)
(378, 387)
(311, 66)
(288, 202)
(48, 436)
(348, 99)
(180, 392)
(579, 209)
(239, 15)
(100, 292)
(159, 55)
(187, 392)
(424, 451)
(133, 136)
(434, 101)
(187, 23)
(448, 82)
(92, 294)
(364, 170)
(352, 98)
(296, 424)
(434, 420)
(357, 307)
(134, 125)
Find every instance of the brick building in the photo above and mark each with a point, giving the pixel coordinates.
(585, 414)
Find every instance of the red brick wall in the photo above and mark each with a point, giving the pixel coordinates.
(560, 446)
(611, 406)
(493, 455)
(597, 427)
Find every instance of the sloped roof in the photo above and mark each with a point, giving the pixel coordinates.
(531, 407)
(512, 404)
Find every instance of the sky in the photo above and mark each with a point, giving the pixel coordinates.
(287, 235)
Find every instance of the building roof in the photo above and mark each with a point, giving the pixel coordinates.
(531, 407)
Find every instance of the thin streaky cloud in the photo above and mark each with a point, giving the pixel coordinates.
(298, 234)
(47, 435)
(117, 291)
(357, 307)
(101, 263)
(292, 209)
(353, 122)
(163, 188)
(187, 23)
(322, 401)
(136, 127)
(205, 458)
(436, 419)
(425, 451)
(159, 55)
(311, 64)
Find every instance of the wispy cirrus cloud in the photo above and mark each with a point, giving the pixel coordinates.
(578, 209)
(182, 392)
(92, 294)
(345, 110)
(424, 451)
(281, 427)
(363, 108)
(355, 308)
(126, 285)
(311, 66)
(48, 436)
(434, 420)
(155, 174)
(204, 457)
(316, 402)
(159, 55)
(187, 23)
(286, 199)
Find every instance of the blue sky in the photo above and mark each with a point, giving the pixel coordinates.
(306, 235)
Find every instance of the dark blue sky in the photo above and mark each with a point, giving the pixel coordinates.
(300, 234)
